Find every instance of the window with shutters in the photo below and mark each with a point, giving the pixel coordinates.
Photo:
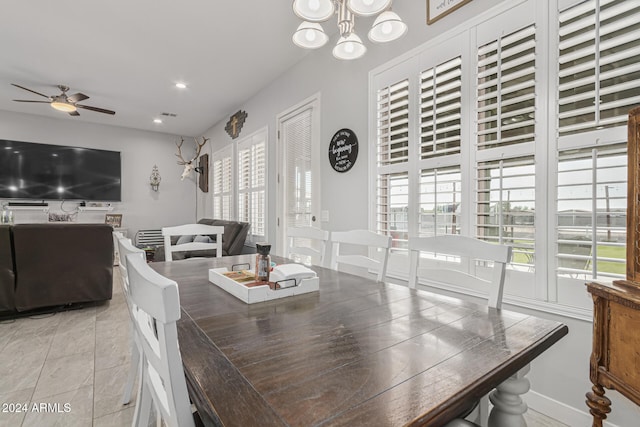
(432, 208)
(392, 162)
(439, 187)
(505, 204)
(393, 124)
(599, 64)
(592, 212)
(222, 181)
(598, 82)
(251, 183)
(518, 137)
(439, 201)
(505, 193)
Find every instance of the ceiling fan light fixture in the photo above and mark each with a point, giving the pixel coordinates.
(64, 106)
(387, 27)
(310, 35)
(367, 7)
(349, 47)
(314, 10)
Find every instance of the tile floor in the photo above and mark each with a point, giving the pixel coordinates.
(77, 362)
(76, 358)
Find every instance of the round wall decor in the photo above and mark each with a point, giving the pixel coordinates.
(343, 150)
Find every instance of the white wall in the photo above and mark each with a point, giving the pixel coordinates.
(141, 207)
(560, 376)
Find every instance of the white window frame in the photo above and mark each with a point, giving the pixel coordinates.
(231, 151)
(541, 289)
(261, 136)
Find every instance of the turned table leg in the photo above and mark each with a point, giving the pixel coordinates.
(599, 405)
(508, 406)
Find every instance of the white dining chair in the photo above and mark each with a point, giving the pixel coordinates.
(126, 248)
(380, 244)
(163, 381)
(466, 251)
(193, 237)
(307, 244)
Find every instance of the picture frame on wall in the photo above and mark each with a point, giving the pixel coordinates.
(437, 9)
(114, 220)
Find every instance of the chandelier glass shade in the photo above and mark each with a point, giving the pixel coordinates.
(310, 35)
(387, 27)
(314, 10)
(367, 7)
(350, 47)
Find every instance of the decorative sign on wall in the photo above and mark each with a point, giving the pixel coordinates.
(343, 150)
(234, 125)
(437, 9)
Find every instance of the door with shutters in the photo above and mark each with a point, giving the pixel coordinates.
(298, 179)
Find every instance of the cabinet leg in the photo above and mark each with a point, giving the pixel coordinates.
(508, 406)
(599, 405)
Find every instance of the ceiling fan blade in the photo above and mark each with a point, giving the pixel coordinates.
(32, 91)
(74, 113)
(25, 100)
(77, 97)
(99, 110)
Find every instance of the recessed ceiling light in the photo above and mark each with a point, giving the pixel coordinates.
(157, 121)
(180, 85)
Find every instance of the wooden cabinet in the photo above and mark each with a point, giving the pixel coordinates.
(615, 358)
(633, 197)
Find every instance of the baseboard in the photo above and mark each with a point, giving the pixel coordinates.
(559, 411)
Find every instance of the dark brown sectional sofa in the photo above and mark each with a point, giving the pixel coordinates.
(52, 265)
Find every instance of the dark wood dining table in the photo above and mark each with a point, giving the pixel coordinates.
(356, 353)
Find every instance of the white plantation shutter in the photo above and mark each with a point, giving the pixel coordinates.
(392, 189)
(440, 109)
(506, 90)
(393, 124)
(393, 208)
(251, 166)
(296, 139)
(591, 212)
(222, 176)
(599, 64)
(440, 194)
(506, 196)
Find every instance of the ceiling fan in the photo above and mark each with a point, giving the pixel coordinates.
(63, 102)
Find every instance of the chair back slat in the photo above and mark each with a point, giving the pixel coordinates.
(381, 243)
(466, 248)
(125, 247)
(307, 241)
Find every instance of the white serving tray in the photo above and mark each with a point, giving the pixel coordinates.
(260, 293)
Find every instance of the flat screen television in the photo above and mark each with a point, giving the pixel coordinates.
(56, 172)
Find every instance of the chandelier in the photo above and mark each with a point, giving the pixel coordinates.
(387, 26)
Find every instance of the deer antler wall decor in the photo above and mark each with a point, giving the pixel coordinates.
(189, 165)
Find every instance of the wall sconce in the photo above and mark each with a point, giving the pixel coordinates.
(155, 178)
